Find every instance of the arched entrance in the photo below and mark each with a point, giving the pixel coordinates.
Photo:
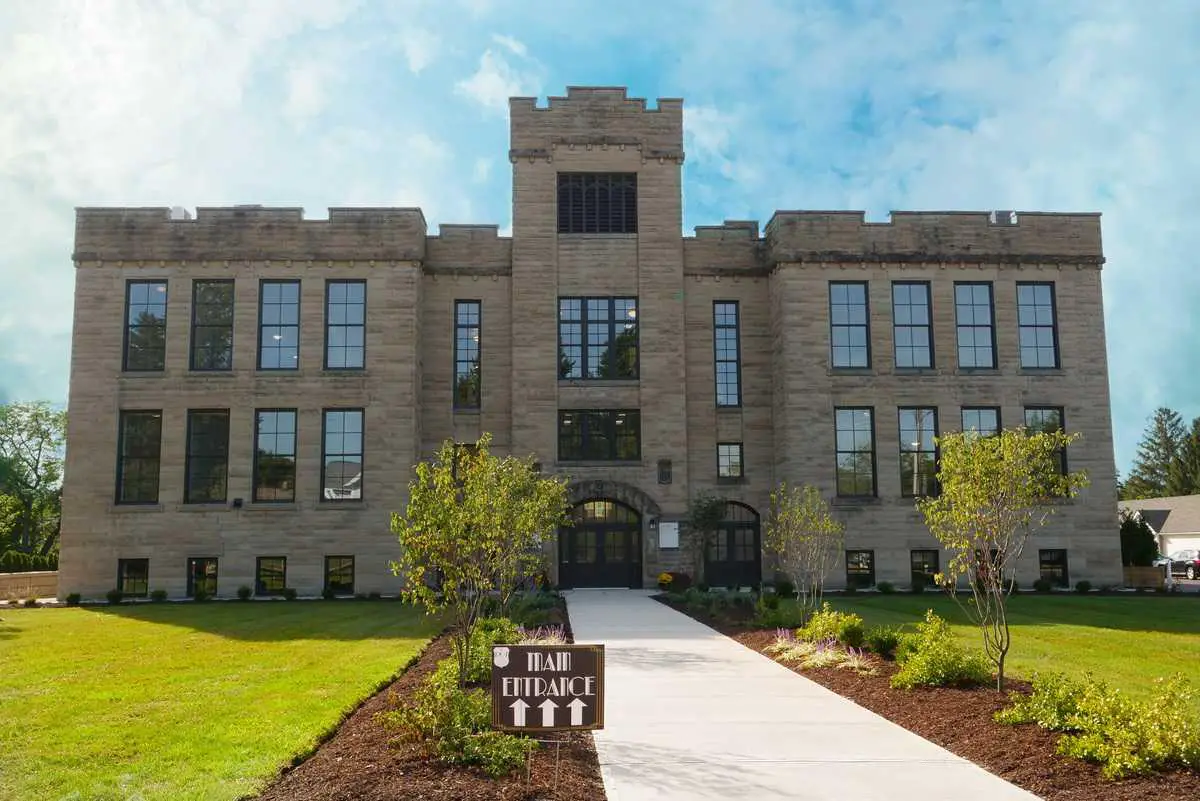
(734, 555)
(601, 546)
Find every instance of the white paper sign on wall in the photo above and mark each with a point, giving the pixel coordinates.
(668, 535)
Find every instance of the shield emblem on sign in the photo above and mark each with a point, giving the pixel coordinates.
(500, 656)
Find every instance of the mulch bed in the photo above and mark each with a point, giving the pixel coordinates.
(360, 764)
(961, 722)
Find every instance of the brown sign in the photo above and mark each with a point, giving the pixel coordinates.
(547, 687)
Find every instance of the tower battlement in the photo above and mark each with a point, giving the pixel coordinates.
(604, 116)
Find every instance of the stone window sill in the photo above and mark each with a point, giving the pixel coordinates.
(340, 506)
(213, 373)
(599, 382)
(218, 506)
(917, 371)
(984, 371)
(271, 507)
(134, 508)
(601, 463)
(847, 502)
(1040, 371)
(350, 372)
(852, 371)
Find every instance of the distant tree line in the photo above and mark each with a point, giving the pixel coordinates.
(1167, 461)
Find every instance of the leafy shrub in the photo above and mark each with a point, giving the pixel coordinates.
(544, 635)
(851, 589)
(158, 596)
(531, 608)
(1083, 586)
(679, 582)
(702, 586)
(770, 601)
(114, 596)
(886, 587)
(289, 593)
(918, 584)
(784, 616)
(31, 603)
(74, 599)
(329, 595)
(830, 624)
(785, 589)
(454, 725)
(244, 593)
(373, 596)
(882, 640)
(1043, 585)
(1100, 725)
(1011, 585)
(932, 657)
(200, 595)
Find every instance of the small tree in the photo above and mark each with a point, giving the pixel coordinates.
(807, 539)
(995, 491)
(705, 514)
(473, 526)
(1138, 545)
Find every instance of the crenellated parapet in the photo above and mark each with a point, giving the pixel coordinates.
(596, 117)
(248, 233)
(468, 250)
(935, 236)
(733, 248)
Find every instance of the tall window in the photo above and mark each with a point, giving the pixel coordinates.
(976, 328)
(860, 569)
(279, 325)
(729, 461)
(466, 354)
(855, 451)
(342, 455)
(139, 448)
(924, 566)
(270, 575)
(145, 326)
(207, 456)
(984, 419)
(133, 577)
(202, 575)
(275, 456)
(345, 325)
(339, 574)
(597, 338)
(212, 325)
(1038, 329)
(911, 323)
(727, 352)
(1045, 419)
(597, 203)
(850, 329)
(603, 435)
(1052, 566)
(918, 456)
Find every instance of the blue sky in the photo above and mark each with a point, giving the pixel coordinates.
(1063, 106)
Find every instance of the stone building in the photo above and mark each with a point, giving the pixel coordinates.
(250, 388)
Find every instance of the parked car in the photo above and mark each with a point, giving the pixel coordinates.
(1161, 561)
(1186, 563)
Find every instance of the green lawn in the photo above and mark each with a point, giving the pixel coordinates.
(1125, 641)
(183, 701)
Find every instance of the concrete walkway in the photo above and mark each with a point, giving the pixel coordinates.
(691, 714)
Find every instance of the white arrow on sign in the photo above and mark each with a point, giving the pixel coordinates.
(577, 707)
(548, 708)
(518, 708)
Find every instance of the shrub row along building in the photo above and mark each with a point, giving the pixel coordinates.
(250, 389)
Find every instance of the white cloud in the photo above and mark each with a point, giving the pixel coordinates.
(516, 47)
(481, 171)
(420, 48)
(498, 79)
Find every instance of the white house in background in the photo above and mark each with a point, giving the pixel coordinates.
(1175, 521)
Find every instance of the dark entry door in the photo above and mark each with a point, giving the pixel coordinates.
(734, 556)
(602, 547)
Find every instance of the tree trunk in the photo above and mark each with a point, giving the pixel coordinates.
(1000, 671)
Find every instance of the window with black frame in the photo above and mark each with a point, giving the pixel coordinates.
(597, 203)
(207, 457)
(270, 575)
(145, 326)
(925, 566)
(467, 389)
(850, 326)
(918, 453)
(212, 325)
(1052, 566)
(202, 575)
(139, 448)
(855, 445)
(860, 569)
(597, 338)
(599, 435)
(975, 324)
(133, 577)
(279, 325)
(339, 574)
(727, 352)
(345, 325)
(275, 456)
(912, 324)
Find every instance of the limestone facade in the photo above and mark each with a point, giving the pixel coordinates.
(788, 385)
